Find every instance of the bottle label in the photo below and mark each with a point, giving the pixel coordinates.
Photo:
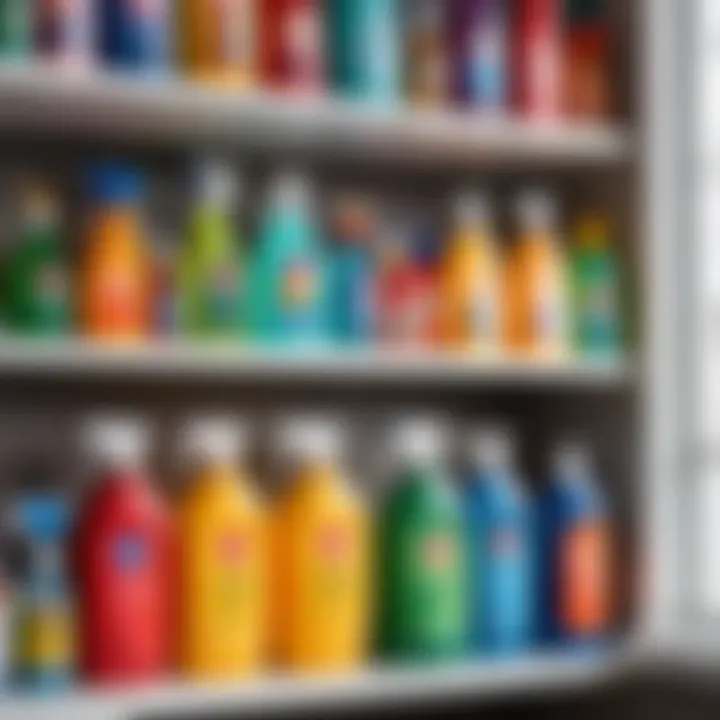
(64, 27)
(299, 290)
(484, 320)
(584, 578)
(51, 289)
(130, 553)
(335, 563)
(223, 296)
(118, 300)
(233, 572)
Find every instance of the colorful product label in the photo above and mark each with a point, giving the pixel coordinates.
(584, 580)
(64, 28)
(118, 299)
(486, 63)
(44, 638)
(301, 42)
(233, 23)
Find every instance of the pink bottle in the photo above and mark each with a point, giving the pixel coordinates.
(537, 57)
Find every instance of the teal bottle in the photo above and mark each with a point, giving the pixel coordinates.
(423, 599)
(15, 29)
(288, 273)
(365, 41)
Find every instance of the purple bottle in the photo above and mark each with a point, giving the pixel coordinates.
(479, 31)
(64, 32)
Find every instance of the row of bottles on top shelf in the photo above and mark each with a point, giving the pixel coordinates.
(542, 57)
(356, 280)
(223, 585)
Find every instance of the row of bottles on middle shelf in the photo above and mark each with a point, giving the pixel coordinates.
(540, 57)
(373, 281)
(226, 585)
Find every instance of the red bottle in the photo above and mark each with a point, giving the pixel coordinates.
(292, 55)
(124, 559)
(537, 57)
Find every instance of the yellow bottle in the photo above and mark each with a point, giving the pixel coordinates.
(322, 556)
(537, 293)
(224, 559)
(469, 293)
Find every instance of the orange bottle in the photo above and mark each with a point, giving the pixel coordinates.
(536, 298)
(322, 558)
(115, 291)
(219, 40)
(470, 280)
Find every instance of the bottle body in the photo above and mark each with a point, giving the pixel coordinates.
(364, 46)
(322, 574)
(137, 36)
(469, 295)
(422, 570)
(64, 32)
(223, 577)
(575, 543)
(125, 579)
(219, 41)
(15, 29)
(500, 572)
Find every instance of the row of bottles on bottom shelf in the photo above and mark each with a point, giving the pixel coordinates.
(125, 590)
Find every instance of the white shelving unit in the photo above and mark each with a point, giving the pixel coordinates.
(385, 686)
(171, 112)
(174, 113)
(226, 362)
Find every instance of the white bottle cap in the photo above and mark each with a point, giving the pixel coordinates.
(212, 439)
(571, 461)
(419, 439)
(471, 208)
(536, 209)
(311, 438)
(117, 441)
(492, 448)
(216, 183)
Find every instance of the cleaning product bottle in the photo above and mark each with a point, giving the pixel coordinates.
(15, 29)
(596, 289)
(422, 565)
(575, 546)
(479, 30)
(211, 270)
(37, 300)
(64, 32)
(124, 554)
(536, 297)
(428, 52)
(292, 50)
(165, 289)
(322, 555)
(406, 291)
(498, 550)
(116, 272)
(351, 282)
(44, 650)
(288, 276)
(364, 42)
(136, 35)
(219, 40)
(469, 295)
(224, 557)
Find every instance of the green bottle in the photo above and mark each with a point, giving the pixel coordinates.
(422, 568)
(15, 29)
(596, 288)
(211, 294)
(36, 286)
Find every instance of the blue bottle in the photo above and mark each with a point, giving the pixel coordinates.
(136, 34)
(364, 41)
(43, 652)
(575, 546)
(288, 277)
(351, 301)
(498, 537)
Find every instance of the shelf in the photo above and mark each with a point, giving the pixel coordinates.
(534, 675)
(75, 359)
(173, 111)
